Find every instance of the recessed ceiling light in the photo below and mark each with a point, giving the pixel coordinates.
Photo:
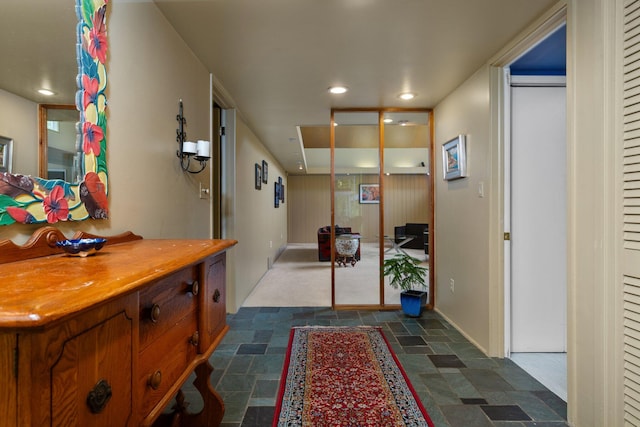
(387, 120)
(407, 96)
(46, 92)
(337, 89)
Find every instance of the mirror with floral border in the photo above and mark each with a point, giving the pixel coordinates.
(26, 199)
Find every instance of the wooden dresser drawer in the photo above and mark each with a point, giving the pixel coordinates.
(162, 362)
(166, 303)
(214, 300)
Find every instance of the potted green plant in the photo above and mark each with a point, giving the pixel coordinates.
(406, 273)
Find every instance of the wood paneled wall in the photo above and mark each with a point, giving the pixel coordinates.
(309, 203)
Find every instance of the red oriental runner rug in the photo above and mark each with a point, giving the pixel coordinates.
(345, 376)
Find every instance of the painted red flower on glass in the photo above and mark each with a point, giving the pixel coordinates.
(92, 135)
(20, 215)
(98, 36)
(56, 206)
(90, 87)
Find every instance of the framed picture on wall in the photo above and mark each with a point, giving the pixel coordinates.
(276, 194)
(6, 146)
(369, 193)
(454, 158)
(258, 177)
(265, 171)
(280, 189)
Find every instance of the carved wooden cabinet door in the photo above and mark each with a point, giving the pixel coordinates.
(83, 371)
(91, 381)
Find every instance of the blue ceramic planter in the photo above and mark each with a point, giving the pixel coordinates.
(412, 302)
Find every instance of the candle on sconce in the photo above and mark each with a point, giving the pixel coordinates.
(189, 147)
(204, 149)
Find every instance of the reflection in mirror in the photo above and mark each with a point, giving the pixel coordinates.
(27, 199)
(6, 147)
(407, 139)
(389, 212)
(59, 157)
(357, 206)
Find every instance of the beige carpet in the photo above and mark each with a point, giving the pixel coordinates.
(298, 279)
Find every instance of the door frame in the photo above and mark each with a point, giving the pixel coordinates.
(499, 248)
(507, 82)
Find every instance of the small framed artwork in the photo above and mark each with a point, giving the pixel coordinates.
(6, 154)
(369, 193)
(280, 189)
(454, 158)
(258, 178)
(276, 192)
(265, 171)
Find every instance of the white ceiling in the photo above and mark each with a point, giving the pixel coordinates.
(273, 60)
(277, 58)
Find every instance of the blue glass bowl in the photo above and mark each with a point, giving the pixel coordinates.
(81, 247)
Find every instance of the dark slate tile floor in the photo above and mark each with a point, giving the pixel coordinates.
(458, 385)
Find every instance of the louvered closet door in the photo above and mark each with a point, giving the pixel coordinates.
(631, 194)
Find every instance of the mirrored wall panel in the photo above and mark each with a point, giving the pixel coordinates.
(382, 200)
(357, 208)
(406, 190)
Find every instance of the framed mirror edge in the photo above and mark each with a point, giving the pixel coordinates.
(29, 200)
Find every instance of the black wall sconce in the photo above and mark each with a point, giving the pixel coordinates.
(200, 150)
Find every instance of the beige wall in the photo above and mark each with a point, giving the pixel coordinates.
(260, 228)
(461, 228)
(149, 70)
(406, 200)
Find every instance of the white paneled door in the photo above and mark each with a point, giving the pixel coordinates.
(538, 219)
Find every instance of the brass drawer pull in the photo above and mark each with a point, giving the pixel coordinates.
(154, 313)
(99, 396)
(194, 288)
(195, 338)
(216, 296)
(155, 379)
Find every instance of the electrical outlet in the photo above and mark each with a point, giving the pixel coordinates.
(451, 284)
(270, 243)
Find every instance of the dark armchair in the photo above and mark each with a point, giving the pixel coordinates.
(420, 233)
(324, 241)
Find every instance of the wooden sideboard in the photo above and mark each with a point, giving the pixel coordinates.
(109, 339)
